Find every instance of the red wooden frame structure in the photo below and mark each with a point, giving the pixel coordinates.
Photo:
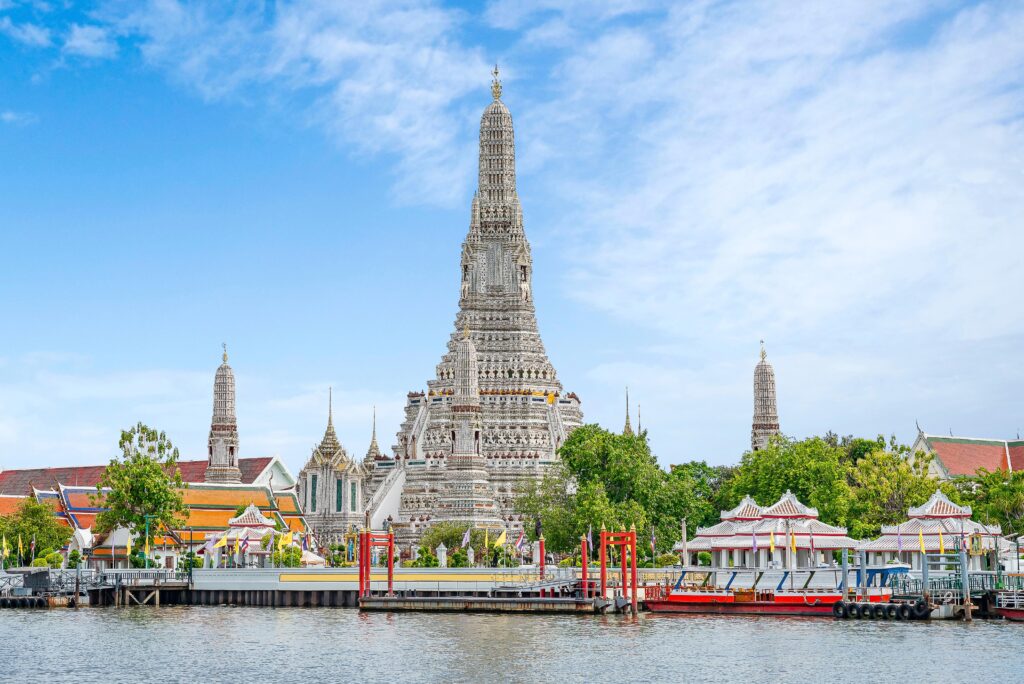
(367, 542)
(626, 541)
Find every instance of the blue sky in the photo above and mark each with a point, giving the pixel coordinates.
(844, 180)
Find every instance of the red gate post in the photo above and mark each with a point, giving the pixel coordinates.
(604, 563)
(583, 555)
(391, 563)
(625, 568)
(632, 543)
(362, 567)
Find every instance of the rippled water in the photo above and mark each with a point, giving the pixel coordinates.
(215, 644)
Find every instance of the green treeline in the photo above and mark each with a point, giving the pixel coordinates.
(614, 480)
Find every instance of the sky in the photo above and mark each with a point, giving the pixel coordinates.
(843, 180)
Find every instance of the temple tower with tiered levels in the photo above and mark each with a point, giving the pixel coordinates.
(766, 413)
(524, 414)
(223, 442)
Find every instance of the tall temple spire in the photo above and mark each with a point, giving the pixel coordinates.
(373, 453)
(639, 425)
(498, 376)
(330, 444)
(628, 429)
(222, 465)
(766, 414)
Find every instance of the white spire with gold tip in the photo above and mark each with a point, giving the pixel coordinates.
(766, 413)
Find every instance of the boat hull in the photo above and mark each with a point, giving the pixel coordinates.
(1014, 614)
(821, 607)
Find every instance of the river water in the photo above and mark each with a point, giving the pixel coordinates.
(224, 644)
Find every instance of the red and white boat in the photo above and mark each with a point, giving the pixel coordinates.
(1010, 605)
(811, 602)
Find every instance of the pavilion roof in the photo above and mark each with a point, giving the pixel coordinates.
(788, 506)
(251, 517)
(746, 510)
(939, 506)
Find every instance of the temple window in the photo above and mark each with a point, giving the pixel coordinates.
(312, 490)
(337, 495)
(352, 496)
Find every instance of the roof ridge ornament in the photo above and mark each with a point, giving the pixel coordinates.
(225, 355)
(496, 83)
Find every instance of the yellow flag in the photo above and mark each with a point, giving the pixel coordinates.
(792, 541)
(920, 538)
(771, 540)
(942, 544)
(3, 549)
(236, 546)
(487, 534)
(284, 541)
(222, 542)
(501, 539)
(21, 549)
(145, 548)
(128, 551)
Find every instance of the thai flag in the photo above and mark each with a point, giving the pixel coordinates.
(652, 540)
(245, 545)
(519, 541)
(590, 536)
(465, 538)
(305, 542)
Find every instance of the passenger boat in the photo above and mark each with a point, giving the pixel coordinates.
(798, 599)
(1010, 605)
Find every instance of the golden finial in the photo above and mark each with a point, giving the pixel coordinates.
(225, 346)
(496, 84)
(763, 354)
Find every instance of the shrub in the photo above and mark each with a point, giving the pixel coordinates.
(289, 557)
(666, 559)
(704, 558)
(54, 559)
(40, 563)
(74, 559)
(458, 559)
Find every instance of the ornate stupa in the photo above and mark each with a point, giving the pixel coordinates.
(627, 429)
(223, 441)
(766, 413)
(330, 487)
(524, 416)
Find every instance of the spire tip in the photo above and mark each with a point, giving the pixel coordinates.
(496, 83)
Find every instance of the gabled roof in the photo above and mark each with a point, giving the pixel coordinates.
(939, 506)
(964, 456)
(790, 507)
(20, 482)
(251, 517)
(746, 510)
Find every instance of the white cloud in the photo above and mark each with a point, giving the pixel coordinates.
(381, 77)
(90, 41)
(17, 118)
(26, 32)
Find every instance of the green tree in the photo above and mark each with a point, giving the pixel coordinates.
(288, 557)
(32, 520)
(813, 469)
(998, 497)
(143, 481)
(885, 484)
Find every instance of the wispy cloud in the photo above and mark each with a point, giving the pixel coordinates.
(17, 118)
(87, 40)
(25, 32)
(379, 77)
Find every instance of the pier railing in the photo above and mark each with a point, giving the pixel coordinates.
(143, 577)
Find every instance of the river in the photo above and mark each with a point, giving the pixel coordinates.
(224, 644)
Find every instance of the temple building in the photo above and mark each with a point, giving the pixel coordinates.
(766, 413)
(522, 414)
(750, 536)
(223, 442)
(940, 525)
(331, 486)
(954, 457)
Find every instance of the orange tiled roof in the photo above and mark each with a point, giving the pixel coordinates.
(232, 497)
(960, 456)
(10, 504)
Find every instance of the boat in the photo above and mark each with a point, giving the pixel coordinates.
(1010, 605)
(798, 599)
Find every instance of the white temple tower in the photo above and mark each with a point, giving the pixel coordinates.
(524, 416)
(223, 442)
(766, 413)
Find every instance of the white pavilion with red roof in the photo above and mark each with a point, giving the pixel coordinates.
(751, 536)
(941, 525)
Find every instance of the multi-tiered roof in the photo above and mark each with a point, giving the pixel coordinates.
(749, 525)
(938, 516)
